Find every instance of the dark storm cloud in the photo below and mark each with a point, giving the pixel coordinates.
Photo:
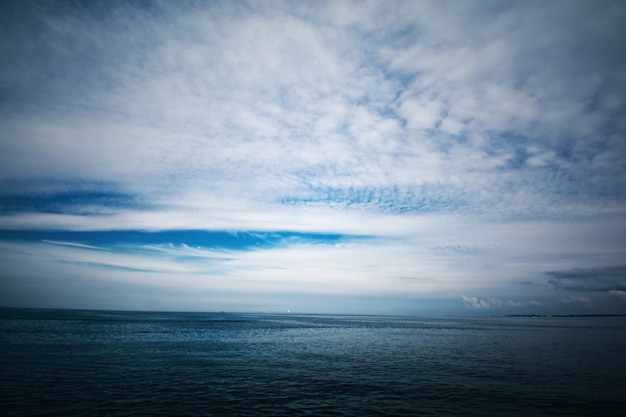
(612, 278)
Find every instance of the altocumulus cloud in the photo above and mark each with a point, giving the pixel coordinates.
(332, 156)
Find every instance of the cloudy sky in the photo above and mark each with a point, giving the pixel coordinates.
(408, 157)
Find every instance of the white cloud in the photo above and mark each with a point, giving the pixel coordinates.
(475, 302)
(275, 101)
(489, 303)
(73, 244)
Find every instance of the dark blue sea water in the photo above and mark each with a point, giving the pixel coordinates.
(78, 363)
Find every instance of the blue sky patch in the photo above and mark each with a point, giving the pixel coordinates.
(192, 238)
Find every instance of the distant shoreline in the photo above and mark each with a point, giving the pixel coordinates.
(565, 315)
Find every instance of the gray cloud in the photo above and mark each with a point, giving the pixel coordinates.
(612, 278)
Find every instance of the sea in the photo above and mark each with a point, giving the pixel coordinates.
(113, 363)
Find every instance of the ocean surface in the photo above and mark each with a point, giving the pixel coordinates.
(80, 363)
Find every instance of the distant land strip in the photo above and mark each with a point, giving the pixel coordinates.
(565, 315)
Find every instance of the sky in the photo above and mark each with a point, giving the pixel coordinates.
(367, 157)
